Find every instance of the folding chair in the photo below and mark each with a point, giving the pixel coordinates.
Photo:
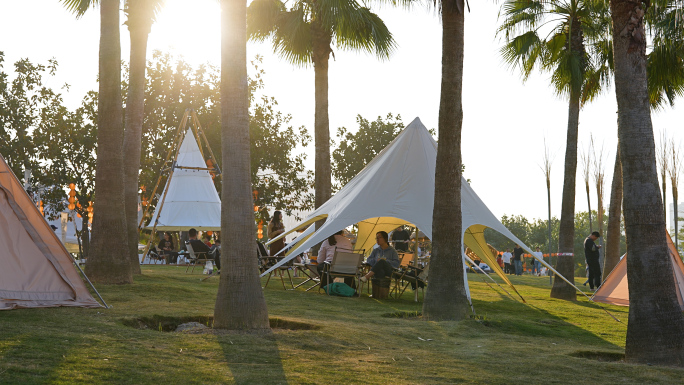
(195, 257)
(416, 276)
(311, 273)
(154, 255)
(345, 265)
(270, 262)
(404, 264)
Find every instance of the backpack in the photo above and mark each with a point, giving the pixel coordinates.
(340, 289)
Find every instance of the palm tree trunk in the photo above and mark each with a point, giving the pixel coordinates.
(566, 237)
(240, 303)
(321, 56)
(446, 298)
(614, 218)
(675, 204)
(139, 30)
(591, 225)
(108, 261)
(664, 191)
(656, 322)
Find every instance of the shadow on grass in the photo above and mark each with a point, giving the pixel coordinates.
(260, 364)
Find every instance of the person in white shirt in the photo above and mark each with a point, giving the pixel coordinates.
(536, 270)
(326, 253)
(507, 261)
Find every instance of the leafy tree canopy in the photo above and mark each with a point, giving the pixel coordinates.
(39, 132)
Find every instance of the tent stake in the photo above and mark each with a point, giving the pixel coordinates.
(91, 285)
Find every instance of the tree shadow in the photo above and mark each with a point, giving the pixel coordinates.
(259, 364)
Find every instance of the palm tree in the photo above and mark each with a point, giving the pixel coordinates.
(445, 298)
(304, 34)
(140, 18)
(240, 302)
(105, 264)
(654, 313)
(577, 73)
(614, 219)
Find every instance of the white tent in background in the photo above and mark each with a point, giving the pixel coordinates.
(190, 200)
(615, 290)
(397, 188)
(35, 268)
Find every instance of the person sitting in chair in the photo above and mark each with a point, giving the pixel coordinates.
(336, 241)
(200, 247)
(383, 260)
(166, 247)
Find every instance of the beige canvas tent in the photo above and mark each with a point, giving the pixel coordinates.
(615, 291)
(36, 270)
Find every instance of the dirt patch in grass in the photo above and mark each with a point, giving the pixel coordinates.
(169, 324)
(599, 356)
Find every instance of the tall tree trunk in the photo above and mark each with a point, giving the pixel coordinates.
(566, 237)
(656, 323)
(614, 218)
(240, 303)
(675, 204)
(446, 298)
(321, 55)
(664, 191)
(108, 261)
(139, 24)
(599, 219)
(591, 225)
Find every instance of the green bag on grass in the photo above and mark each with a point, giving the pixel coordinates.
(340, 289)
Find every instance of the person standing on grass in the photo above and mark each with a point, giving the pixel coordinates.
(401, 238)
(591, 254)
(507, 261)
(536, 269)
(517, 259)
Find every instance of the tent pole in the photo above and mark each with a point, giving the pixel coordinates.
(206, 143)
(91, 285)
(415, 264)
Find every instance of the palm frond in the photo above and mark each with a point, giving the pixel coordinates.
(79, 7)
(665, 66)
(363, 30)
(292, 38)
(262, 18)
(524, 51)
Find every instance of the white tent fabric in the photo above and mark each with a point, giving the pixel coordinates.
(397, 188)
(191, 199)
(37, 271)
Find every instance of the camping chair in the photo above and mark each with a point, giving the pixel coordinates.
(404, 264)
(280, 271)
(195, 257)
(311, 272)
(262, 256)
(344, 265)
(413, 276)
(154, 255)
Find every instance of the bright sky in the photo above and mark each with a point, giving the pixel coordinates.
(505, 121)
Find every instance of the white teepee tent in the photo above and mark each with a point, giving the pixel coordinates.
(36, 270)
(190, 199)
(615, 290)
(397, 188)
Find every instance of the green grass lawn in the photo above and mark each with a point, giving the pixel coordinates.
(357, 341)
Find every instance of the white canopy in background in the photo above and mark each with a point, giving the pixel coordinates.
(397, 188)
(191, 199)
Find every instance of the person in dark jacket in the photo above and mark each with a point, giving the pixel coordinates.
(200, 247)
(591, 254)
(166, 247)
